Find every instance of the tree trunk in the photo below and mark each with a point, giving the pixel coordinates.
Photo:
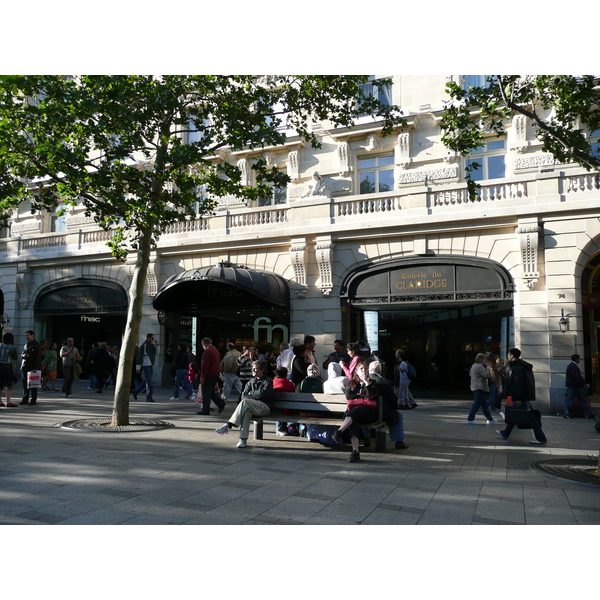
(120, 415)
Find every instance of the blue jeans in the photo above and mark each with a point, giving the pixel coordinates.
(146, 383)
(479, 402)
(181, 378)
(396, 431)
(576, 394)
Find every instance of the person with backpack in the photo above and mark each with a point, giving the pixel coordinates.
(404, 373)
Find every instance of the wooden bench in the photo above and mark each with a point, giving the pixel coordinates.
(316, 409)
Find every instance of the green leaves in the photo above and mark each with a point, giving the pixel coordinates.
(98, 139)
(560, 108)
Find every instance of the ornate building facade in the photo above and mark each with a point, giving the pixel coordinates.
(375, 237)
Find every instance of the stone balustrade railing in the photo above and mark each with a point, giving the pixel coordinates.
(237, 217)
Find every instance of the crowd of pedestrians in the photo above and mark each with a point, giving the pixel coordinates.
(350, 369)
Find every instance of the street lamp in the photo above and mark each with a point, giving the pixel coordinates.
(563, 323)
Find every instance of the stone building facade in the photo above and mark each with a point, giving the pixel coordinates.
(375, 237)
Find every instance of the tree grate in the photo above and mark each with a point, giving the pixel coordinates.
(103, 424)
(573, 469)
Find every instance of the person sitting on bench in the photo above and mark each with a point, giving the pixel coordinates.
(256, 399)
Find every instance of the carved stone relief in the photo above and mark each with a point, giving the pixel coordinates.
(528, 242)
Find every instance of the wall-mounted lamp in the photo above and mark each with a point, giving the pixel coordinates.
(563, 322)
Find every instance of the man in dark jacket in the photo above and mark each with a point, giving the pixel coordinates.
(256, 398)
(391, 415)
(145, 364)
(32, 361)
(574, 382)
(520, 385)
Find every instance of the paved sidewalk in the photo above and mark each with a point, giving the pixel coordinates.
(452, 473)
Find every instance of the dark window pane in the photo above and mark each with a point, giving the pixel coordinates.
(367, 183)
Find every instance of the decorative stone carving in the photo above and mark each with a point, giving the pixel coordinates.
(298, 260)
(22, 277)
(270, 158)
(403, 151)
(423, 175)
(318, 187)
(293, 165)
(520, 127)
(344, 159)
(151, 280)
(374, 142)
(335, 186)
(242, 165)
(528, 241)
(324, 256)
(535, 161)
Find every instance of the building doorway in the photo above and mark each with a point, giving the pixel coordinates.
(441, 311)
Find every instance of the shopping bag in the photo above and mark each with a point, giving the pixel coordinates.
(34, 379)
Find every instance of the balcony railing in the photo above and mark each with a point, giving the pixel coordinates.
(486, 193)
(394, 207)
(362, 206)
(589, 182)
(257, 216)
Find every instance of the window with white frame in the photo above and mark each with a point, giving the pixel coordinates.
(376, 174)
(481, 81)
(278, 196)
(58, 219)
(193, 134)
(379, 90)
(491, 161)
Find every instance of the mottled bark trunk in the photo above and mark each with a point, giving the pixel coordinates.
(120, 414)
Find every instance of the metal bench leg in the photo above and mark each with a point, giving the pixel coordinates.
(258, 430)
(381, 440)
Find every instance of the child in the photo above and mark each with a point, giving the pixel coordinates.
(193, 377)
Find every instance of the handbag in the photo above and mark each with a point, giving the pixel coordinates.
(368, 402)
(520, 415)
(34, 379)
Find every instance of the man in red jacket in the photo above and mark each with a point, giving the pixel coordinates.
(210, 369)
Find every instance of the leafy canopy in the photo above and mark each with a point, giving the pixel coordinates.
(137, 150)
(560, 108)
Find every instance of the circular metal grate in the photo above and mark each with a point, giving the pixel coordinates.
(575, 469)
(103, 424)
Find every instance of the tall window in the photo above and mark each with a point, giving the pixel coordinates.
(278, 196)
(376, 174)
(378, 90)
(58, 219)
(491, 160)
(195, 135)
(475, 81)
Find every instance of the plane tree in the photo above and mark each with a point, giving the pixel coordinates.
(140, 153)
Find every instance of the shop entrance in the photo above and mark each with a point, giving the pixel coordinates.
(441, 311)
(86, 310)
(225, 303)
(590, 295)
